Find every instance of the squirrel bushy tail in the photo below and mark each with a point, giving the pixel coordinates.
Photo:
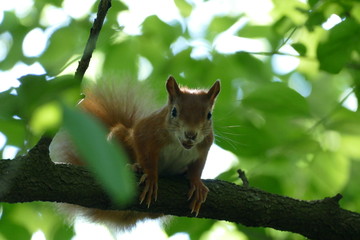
(118, 105)
(114, 102)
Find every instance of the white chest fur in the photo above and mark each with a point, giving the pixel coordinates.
(174, 159)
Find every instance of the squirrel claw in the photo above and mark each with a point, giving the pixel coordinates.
(150, 189)
(197, 194)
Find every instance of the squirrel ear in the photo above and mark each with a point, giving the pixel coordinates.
(172, 88)
(214, 91)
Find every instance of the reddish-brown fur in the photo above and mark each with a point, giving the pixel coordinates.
(172, 140)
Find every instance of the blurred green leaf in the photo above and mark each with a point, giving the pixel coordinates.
(184, 7)
(273, 129)
(255, 31)
(36, 90)
(10, 229)
(344, 121)
(335, 52)
(154, 44)
(64, 232)
(315, 19)
(9, 104)
(250, 64)
(220, 24)
(300, 48)
(105, 159)
(269, 183)
(156, 30)
(312, 3)
(351, 191)
(194, 227)
(329, 172)
(14, 130)
(72, 40)
(127, 63)
(17, 31)
(277, 98)
(254, 233)
(283, 25)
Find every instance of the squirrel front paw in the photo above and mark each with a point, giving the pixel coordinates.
(135, 167)
(197, 194)
(150, 189)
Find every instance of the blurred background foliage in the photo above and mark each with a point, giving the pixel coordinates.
(288, 109)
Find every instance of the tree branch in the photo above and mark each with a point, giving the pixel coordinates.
(103, 7)
(35, 177)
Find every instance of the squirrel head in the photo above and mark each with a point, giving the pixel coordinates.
(190, 112)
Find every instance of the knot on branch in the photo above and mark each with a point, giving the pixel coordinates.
(40, 152)
(333, 200)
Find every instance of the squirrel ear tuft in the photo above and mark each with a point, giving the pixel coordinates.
(214, 91)
(172, 88)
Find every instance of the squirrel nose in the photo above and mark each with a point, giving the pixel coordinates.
(191, 135)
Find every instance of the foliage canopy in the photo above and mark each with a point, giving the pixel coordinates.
(295, 132)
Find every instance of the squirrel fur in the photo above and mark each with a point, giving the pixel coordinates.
(172, 140)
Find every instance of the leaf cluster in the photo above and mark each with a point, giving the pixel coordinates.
(294, 133)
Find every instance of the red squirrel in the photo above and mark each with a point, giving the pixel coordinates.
(170, 141)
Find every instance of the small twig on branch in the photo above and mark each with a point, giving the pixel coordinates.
(104, 6)
(243, 178)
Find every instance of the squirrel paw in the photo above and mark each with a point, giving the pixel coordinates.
(197, 194)
(135, 167)
(150, 189)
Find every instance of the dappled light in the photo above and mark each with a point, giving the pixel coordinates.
(287, 114)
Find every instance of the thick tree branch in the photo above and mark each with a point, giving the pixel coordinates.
(35, 178)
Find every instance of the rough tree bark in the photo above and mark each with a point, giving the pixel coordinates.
(34, 177)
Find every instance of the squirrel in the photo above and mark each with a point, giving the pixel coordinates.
(172, 140)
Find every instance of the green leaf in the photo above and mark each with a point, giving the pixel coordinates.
(127, 63)
(105, 159)
(277, 98)
(300, 48)
(334, 53)
(221, 24)
(255, 31)
(17, 31)
(194, 227)
(344, 121)
(312, 3)
(315, 19)
(9, 104)
(71, 39)
(251, 64)
(14, 130)
(163, 34)
(10, 229)
(64, 232)
(184, 7)
(329, 173)
(283, 25)
(36, 90)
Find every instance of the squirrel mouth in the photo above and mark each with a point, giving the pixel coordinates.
(187, 144)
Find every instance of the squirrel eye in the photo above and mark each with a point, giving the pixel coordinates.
(209, 115)
(174, 112)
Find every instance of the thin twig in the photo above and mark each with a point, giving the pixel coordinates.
(287, 39)
(332, 112)
(243, 178)
(272, 53)
(103, 7)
